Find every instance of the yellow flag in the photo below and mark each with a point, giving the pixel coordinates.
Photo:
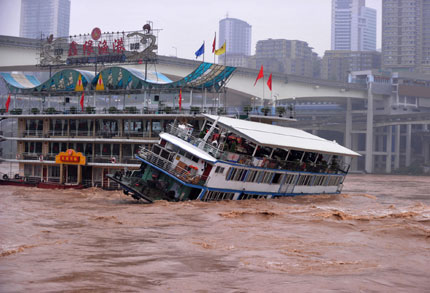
(79, 86)
(100, 85)
(221, 50)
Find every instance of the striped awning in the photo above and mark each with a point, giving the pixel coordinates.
(19, 80)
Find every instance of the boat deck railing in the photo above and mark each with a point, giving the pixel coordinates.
(168, 166)
(198, 142)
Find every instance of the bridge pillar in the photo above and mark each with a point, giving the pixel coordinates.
(426, 150)
(348, 127)
(368, 166)
(397, 148)
(348, 123)
(314, 131)
(408, 144)
(354, 144)
(389, 148)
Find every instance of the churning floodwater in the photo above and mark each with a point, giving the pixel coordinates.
(375, 236)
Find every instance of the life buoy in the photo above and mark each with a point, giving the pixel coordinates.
(113, 160)
(5, 177)
(17, 176)
(41, 158)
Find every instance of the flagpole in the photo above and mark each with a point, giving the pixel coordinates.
(263, 91)
(214, 47)
(225, 57)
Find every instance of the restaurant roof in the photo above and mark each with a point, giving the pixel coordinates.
(281, 137)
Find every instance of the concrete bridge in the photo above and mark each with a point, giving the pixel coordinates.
(359, 117)
(18, 54)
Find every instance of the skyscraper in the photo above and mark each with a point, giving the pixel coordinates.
(237, 34)
(406, 35)
(286, 56)
(40, 18)
(353, 26)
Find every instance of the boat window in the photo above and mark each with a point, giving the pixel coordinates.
(334, 180)
(251, 176)
(165, 154)
(290, 179)
(245, 196)
(238, 175)
(28, 170)
(230, 173)
(38, 147)
(156, 149)
(319, 180)
(219, 170)
(276, 178)
(215, 195)
(79, 147)
(106, 149)
(267, 177)
(243, 175)
(304, 180)
(54, 171)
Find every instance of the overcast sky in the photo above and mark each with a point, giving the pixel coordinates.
(185, 24)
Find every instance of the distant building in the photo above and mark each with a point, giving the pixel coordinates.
(237, 35)
(336, 64)
(236, 60)
(41, 18)
(353, 26)
(406, 35)
(286, 56)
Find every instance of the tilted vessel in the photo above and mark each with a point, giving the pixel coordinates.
(234, 159)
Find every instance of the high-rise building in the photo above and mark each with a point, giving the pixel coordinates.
(353, 26)
(41, 18)
(337, 64)
(406, 35)
(286, 56)
(237, 35)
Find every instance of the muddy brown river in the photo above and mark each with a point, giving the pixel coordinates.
(374, 237)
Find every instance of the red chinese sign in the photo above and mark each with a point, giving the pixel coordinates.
(70, 157)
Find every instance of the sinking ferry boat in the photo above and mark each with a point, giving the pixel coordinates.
(233, 159)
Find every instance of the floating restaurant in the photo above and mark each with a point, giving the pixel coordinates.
(78, 125)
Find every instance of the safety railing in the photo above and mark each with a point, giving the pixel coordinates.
(198, 142)
(168, 166)
(32, 133)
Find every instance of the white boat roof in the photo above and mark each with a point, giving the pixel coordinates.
(188, 147)
(281, 137)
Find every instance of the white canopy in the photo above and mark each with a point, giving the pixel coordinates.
(188, 147)
(281, 137)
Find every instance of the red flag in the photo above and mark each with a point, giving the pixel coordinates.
(7, 104)
(214, 44)
(180, 99)
(269, 82)
(82, 102)
(260, 75)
